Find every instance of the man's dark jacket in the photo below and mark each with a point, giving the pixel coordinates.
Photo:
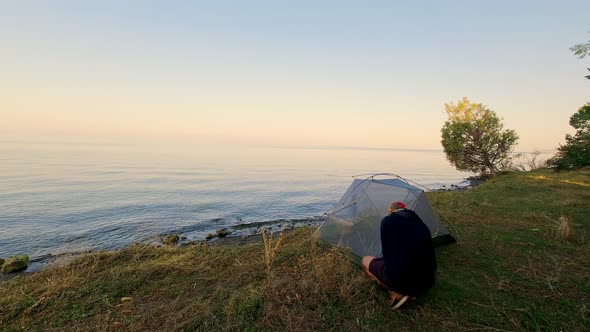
(408, 254)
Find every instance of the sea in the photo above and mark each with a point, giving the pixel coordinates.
(61, 198)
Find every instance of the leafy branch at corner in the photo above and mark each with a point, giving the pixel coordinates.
(474, 140)
(581, 51)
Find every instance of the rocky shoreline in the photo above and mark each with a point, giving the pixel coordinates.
(468, 183)
(230, 238)
(241, 234)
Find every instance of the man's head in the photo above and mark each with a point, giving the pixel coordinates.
(396, 205)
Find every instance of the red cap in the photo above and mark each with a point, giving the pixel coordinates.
(399, 205)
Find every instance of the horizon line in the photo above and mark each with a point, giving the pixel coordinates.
(274, 146)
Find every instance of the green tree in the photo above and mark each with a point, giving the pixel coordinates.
(582, 50)
(576, 152)
(474, 140)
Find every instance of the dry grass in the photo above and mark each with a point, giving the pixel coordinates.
(270, 251)
(194, 288)
(564, 230)
(510, 272)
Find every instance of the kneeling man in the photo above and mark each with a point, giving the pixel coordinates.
(408, 263)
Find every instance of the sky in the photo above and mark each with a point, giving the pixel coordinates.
(293, 73)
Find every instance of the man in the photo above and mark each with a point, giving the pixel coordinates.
(408, 263)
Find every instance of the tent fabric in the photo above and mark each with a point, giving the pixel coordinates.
(354, 223)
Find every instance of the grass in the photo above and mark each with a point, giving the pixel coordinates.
(521, 264)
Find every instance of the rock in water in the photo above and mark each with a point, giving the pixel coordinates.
(171, 239)
(222, 232)
(15, 264)
(21, 257)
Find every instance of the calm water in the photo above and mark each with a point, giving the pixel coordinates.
(58, 198)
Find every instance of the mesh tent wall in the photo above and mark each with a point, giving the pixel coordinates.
(354, 223)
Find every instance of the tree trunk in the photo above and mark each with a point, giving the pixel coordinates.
(489, 165)
(492, 171)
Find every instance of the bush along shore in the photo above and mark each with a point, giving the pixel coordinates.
(521, 263)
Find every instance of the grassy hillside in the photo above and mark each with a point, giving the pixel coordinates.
(522, 263)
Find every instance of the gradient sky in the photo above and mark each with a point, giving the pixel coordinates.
(327, 73)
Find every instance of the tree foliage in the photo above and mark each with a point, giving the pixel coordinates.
(582, 50)
(576, 152)
(474, 140)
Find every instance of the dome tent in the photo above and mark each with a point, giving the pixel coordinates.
(354, 223)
